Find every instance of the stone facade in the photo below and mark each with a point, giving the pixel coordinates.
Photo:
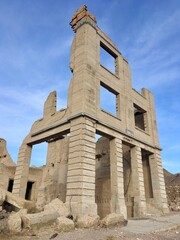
(121, 173)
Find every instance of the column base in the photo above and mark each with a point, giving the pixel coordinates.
(79, 209)
(118, 206)
(139, 209)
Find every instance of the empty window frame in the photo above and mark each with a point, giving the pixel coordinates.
(39, 154)
(29, 190)
(108, 59)
(109, 100)
(140, 117)
(10, 185)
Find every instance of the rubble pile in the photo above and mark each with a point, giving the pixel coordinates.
(3, 221)
(172, 182)
(173, 195)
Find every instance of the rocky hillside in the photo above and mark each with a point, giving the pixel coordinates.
(173, 190)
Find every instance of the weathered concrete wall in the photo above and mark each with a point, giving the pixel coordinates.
(53, 183)
(103, 179)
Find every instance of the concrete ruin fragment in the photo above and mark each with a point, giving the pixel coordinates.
(120, 173)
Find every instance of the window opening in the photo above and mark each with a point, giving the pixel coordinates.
(108, 99)
(139, 117)
(107, 58)
(10, 185)
(29, 189)
(39, 154)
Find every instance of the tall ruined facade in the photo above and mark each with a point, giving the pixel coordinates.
(122, 172)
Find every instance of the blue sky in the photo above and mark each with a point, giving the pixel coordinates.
(35, 40)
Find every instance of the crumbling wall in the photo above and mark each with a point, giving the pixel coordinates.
(6, 175)
(128, 181)
(54, 178)
(103, 180)
(4, 155)
(7, 166)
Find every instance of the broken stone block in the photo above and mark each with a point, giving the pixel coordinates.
(14, 223)
(64, 224)
(87, 221)
(38, 218)
(58, 206)
(113, 219)
(2, 197)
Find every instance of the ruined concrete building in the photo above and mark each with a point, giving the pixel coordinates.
(122, 171)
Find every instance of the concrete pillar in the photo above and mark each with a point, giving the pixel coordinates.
(158, 184)
(22, 170)
(117, 181)
(80, 196)
(138, 182)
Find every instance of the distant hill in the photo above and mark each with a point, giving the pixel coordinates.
(171, 179)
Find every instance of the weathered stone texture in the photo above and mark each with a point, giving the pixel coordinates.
(29, 220)
(64, 224)
(87, 221)
(14, 223)
(113, 219)
(2, 196)
(58, 206)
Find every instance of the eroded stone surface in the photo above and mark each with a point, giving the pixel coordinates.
(2, 196)
(29, 220)
(14, 223)
(58, 206)
(64, 224)
(113, 219)
(87, 221)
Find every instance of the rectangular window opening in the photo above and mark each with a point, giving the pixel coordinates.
(29, 190)
(139, 117)
(108, 59)
(10, 185)
(39, 154)
(108, 100)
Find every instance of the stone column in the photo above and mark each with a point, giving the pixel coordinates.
(158, 184)
(117, 181)
(138, 182)
(22, 170)
(80, 196)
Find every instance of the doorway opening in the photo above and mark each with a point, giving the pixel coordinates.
(128, 184)
(147, 174)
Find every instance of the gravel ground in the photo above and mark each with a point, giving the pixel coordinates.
(159, 228)
(93, 234)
